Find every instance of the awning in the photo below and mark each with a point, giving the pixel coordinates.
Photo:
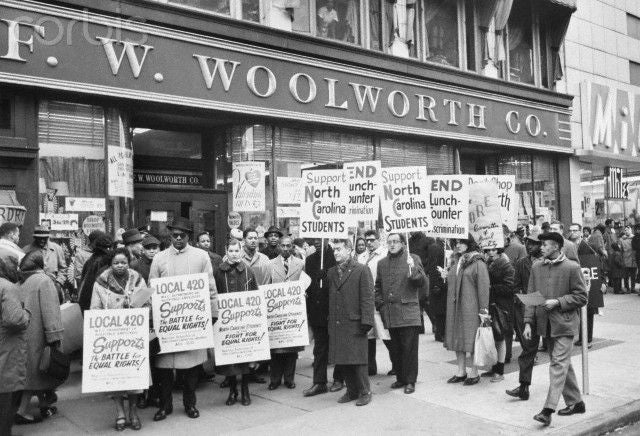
(607, 159)
(571, 4)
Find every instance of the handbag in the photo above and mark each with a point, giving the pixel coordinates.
(485, 353)
(55, 363)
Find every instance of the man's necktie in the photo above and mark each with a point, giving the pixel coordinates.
(286, 267)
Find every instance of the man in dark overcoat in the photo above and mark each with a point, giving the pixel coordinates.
(399, 289)
(351, 316)
(318, 317)
(561, 283)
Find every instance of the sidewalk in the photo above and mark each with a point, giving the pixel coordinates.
(436, 408)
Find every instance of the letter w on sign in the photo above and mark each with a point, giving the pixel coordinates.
(115, 62)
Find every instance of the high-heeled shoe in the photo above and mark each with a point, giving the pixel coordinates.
(246, 398)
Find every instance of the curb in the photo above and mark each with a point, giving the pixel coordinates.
(604, 422)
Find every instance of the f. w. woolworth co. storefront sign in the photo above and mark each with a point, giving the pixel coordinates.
(51, 47)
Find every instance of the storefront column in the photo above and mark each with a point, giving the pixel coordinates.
(576, 190)
(564, 190)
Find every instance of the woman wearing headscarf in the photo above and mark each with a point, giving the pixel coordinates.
(467, 298)
(114, 289)
(96, 264)
(13, 348)
(40, 298)
(234, 276)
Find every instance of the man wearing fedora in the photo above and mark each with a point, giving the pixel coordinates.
(55, 264)
(132, 240)
(527, 356)
(561, 283)
(272, 235)
(180, 259)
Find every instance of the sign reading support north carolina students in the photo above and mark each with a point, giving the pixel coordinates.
(449, 202)
(241, 333)
(287, 314)
(324, 208)
(364, 189)
(405, 199)
(182, 312)
(116, 350)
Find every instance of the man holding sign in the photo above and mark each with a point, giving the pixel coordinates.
(181, 259)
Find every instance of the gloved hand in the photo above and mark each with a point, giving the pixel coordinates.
(364, 329)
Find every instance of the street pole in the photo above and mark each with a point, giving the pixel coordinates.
(585, 358)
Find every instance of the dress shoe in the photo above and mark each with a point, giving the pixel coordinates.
(48, 412)
(521, 392)
(397, 385)
(23, 420)
(319, 388)
(336, 386)
(410, 388)
(273, 386)
(487, 374)
(232, 398)
(290, 385)
(544, 417)
(192, 412)
(392, 372)
(244, 393)
(364, 399)
(457, 379)
(574, 408)
(497, 378)
(472, 381)
(346, 398)
(162, 413)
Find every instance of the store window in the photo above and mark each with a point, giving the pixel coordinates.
(521, 166)
(519, 38)
(441, 22)
(634, 73)
(216, 6)
(393, 26)
(339, 20)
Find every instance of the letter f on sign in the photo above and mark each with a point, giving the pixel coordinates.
(129, 50)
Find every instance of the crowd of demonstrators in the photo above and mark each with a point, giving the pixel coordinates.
(354, 282)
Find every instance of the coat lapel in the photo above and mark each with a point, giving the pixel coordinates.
(346, 273)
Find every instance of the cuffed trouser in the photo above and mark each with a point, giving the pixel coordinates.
(189, 379)
(527, 357)
(283, 364)
(321, 357)
(562, 378)
(9, 402)
(404, 344)
(356, 378)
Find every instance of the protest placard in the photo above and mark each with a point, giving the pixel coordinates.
(241, 333)
(449, 203)
(364, 189)
(323, 212)
(84, 204)
(289, 190)
(182, 312)
(59, 221)
(120, 172)
(485, 218)
(116, 350)
(506, 184)
(405, 199)
(248, 186)
(286, 314)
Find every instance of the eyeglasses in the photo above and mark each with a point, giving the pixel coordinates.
(370, 239)
(394, 242)
(178, 235)
(574, 230)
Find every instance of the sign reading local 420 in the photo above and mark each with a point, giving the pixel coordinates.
(46, 46)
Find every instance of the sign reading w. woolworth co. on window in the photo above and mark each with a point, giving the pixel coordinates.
(58, 48)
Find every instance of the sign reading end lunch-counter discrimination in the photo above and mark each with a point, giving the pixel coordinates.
(182, 312)
(241, 331)
(286, 314)
(325, 202)
(116, 350)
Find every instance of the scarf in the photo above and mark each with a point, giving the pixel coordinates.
(556, 260)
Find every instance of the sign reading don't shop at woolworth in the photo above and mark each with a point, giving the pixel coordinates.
(182, 312)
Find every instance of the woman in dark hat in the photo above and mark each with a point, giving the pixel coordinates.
(467, 297)
(98, 262)
(234, 276)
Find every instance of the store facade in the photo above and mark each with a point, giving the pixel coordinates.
(135, 123)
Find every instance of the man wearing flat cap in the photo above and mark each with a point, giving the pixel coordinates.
(561, 283)
(180, 259)
(150, 247)
(273, 235)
